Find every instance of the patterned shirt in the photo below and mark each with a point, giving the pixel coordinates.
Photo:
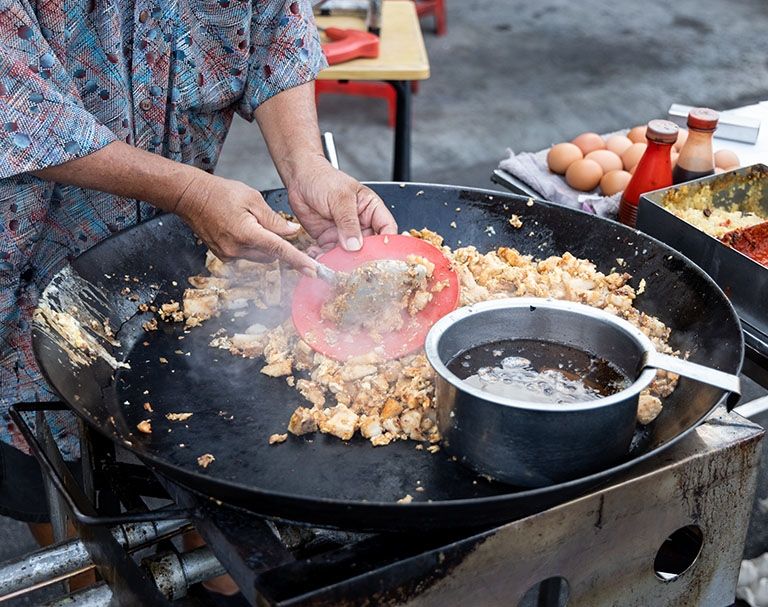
(75, 75)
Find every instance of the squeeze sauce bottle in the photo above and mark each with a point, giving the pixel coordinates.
(696, 158)
(653, 172)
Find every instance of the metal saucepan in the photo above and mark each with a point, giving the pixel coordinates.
(534, 445)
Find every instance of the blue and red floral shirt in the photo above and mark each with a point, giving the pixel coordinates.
(75, 75)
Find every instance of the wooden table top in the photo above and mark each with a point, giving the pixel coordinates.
(402, 54)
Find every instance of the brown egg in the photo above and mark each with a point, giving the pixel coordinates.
(674, 156)
(719, 170)
(726, 159)
(632, 155)
(607, 160)
(637, 134)
(584, 175)
(561, 156)
(618, 144)
(589, 142)
(614, 182)
(682, 137)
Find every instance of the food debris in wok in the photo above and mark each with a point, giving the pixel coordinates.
(389, 400)
(276, 439)
(205, 460)
(372, 297)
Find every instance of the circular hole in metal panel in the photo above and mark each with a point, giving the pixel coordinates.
(551, 592)
(678, 553)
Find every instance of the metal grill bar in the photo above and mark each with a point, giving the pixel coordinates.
(50, 565)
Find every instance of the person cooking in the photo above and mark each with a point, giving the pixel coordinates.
(115, 110)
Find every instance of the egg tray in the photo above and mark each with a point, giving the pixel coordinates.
(743, 280)
(532, 170)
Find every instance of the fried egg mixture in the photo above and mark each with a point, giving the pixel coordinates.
(373, 297)
(389, 400)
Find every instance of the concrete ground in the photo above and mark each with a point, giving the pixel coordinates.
(524, 75)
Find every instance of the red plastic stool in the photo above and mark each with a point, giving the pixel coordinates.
(380, 90)
(436, 8)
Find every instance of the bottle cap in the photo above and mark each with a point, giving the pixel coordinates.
(703, 119)
(661, 131)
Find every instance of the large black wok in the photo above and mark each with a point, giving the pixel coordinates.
(322, 480)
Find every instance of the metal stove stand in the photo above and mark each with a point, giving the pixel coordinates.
(670, 532)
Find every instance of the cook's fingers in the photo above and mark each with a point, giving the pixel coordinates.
(314, 251)
(273, 246)
(255, 255)
(344, 213)
(328, 239)
(382, 221)
(272, 221)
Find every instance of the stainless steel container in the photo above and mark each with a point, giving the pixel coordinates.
(743, 280)
(530, 444)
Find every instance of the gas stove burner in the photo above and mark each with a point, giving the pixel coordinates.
(282, 563)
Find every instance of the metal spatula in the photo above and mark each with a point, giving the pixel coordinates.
(384, 283)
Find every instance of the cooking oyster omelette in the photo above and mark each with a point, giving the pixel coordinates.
(389, 400)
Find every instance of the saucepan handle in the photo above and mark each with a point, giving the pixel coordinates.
(699, 373)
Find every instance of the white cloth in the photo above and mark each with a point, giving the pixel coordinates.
(531, 168)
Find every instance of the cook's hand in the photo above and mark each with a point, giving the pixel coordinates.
(235, 222)
(334, 208)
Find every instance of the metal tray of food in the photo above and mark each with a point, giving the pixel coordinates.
(743, 280)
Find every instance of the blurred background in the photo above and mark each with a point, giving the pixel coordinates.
(525, 75)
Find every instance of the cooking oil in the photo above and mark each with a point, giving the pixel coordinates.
(538, 372)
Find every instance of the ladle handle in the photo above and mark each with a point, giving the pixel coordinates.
(699, 373)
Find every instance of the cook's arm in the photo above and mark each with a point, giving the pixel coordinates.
(48, 132)
(288, 122)
(285, 58)
(232, 218)
(332, 206)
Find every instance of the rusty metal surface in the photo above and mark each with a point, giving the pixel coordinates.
(171, 572)
(174, 573)
(603, 544)
(47, 565)
(757, 535)
(246, 545)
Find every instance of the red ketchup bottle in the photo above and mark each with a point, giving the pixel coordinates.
(696, 158)
(653, 172)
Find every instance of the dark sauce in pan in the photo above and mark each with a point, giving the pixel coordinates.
(538, 372)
